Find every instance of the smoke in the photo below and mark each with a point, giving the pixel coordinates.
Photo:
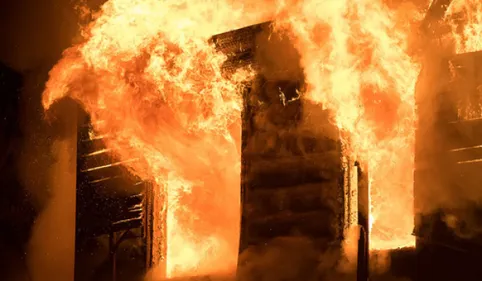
(48, 171)
(35, 37)
(290, 258)
(446, 173)
(284, 258)
(293, 259)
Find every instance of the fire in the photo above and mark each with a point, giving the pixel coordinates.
(145, 69)
(354, 54)
(468, 35)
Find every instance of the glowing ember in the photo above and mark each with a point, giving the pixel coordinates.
(146, 69)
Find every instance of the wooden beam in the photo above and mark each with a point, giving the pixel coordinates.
(363, 221)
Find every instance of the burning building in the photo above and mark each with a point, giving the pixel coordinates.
(277, 125)
(295, 181)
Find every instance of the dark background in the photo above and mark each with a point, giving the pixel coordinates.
(32, 37)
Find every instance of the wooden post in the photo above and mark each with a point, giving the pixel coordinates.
(157, 230)
(112, 255)
(350, 190)
(363, 221)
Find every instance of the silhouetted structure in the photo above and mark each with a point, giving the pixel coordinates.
(112, 206)
(16, 211)
(293, 177)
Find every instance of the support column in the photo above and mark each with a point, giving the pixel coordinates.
(157, 231)
(364, 222)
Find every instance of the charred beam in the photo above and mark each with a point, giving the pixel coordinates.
(363, 221)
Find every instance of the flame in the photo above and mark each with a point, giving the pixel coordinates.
(467, 32)
(152, 83)
(146, 71)
(354, 54)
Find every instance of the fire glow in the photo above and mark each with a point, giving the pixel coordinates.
(147, 71)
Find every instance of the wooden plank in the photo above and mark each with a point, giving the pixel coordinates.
(91, 145)
(298, 199)
(107, 171)
(286, 143)
(290, 171)
(99, 157)
(313, 224)
(466, 154)
(118, 186)
(463, 134)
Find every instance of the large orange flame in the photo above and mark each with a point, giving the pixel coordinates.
(146, 70)
(355, 60)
